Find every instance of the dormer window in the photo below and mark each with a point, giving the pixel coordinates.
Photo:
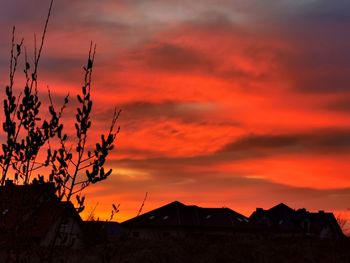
(151, 217)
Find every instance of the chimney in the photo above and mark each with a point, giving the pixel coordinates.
(321, 211)
(259, 209)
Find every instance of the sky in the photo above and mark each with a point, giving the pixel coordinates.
(226, 103)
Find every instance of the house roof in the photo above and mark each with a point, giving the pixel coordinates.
(320, 219)
(179, 214)
(281, 210)
(283, 218)
(31, 210)
(280, 217)
(26, 195)
(47, 215)
(19, 202)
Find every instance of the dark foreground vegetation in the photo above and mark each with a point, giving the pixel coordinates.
(195, 249)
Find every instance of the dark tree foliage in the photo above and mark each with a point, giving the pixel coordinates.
(35, 145)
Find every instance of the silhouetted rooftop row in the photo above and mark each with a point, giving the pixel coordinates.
(32, 213)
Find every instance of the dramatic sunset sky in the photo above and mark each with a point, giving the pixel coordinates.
(232, 103)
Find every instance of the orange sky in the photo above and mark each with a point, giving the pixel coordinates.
(237, 103)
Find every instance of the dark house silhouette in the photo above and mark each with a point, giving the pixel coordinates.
(178, 219)
(98, 232)
(32, 214)
(278, 218)
(282, 219)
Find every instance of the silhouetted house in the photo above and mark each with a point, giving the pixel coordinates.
(279, 218)
(177, 219)
(282, 219)
(321, 224)
(33, 215)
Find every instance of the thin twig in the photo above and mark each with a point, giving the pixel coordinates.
(42, 41)
(142, 205)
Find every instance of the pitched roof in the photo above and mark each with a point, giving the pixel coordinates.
(321, 219)
(26, 195)
(31, 210)
(178, 214)
(283, 218)
(47, 215)
(19, 202)
(281, 209)
(280, 217)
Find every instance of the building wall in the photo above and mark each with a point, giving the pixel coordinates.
(66, 233)
(182, 232)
